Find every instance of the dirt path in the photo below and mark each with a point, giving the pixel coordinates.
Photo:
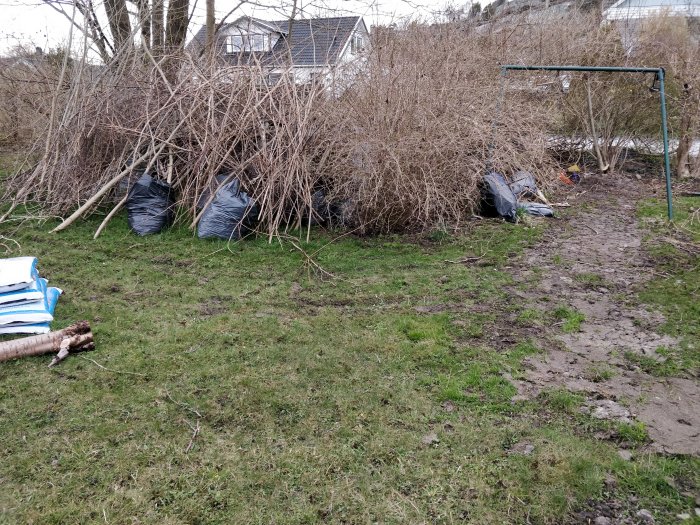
(593, 262)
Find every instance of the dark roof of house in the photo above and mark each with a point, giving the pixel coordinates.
(312, 41)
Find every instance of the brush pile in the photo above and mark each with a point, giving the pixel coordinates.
(399, 143)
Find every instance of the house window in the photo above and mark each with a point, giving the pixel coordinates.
(234, 43)
(248, 43)
(259, 42)
(356, 44)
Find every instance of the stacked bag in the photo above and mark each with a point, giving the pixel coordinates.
(500, 199)
(26, 302)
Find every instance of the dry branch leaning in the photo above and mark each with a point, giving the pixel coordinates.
(75, 338)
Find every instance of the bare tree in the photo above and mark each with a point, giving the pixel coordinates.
(119, 23)
(158, 25)
(149, 25)
(176, 27)
(144, 21)
(211, 27)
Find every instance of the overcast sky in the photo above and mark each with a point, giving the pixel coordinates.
(33, 23)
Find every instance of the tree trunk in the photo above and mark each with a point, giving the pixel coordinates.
(78, 334)
(211, 28)
(119, 23)
(158, 26)
(683, 151)
(603, 165)
(695, 168)
(176, 29)
(96, 33)
(145, 22)
(685, 139)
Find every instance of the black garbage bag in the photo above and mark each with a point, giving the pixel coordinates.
(331, 212)
(323, 211)
(206, 193)
(232, 214)
(523, 184)
(537, 209)
(497, 199)
(149, 205)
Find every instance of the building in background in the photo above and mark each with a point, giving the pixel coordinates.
(315, 50)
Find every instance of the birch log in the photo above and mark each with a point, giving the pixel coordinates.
(78, 335)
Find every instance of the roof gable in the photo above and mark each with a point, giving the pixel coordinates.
(310, 41)
(317, 41)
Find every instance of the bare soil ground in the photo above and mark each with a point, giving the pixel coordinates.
(593, 262)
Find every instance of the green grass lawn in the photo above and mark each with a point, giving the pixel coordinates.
(377, 396)
(675, 249)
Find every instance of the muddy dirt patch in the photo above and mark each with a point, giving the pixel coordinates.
(591, 264)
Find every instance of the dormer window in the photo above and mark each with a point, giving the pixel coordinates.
(232, 44)
(356, 44)
(248, 43)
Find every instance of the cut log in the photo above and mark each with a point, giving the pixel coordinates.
(77, 337)
(75, 343)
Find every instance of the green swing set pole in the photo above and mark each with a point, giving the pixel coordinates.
(664, 127)
(659, 71)
(609, 69)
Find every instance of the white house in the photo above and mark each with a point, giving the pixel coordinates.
(308, 49)
(628, 16)
(639, 9)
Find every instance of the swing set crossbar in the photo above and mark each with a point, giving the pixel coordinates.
(660, 76)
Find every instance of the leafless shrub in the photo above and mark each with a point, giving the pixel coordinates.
(418, 128)
(401, 143)
(403, 147)
(674, 43)
(601, 109)
(27, 81)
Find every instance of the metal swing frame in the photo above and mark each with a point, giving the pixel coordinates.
(660, 74)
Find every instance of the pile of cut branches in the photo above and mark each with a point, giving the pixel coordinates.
(399, 141)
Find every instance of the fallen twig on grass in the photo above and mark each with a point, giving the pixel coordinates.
(183, 405)
(111, 369)
(688, 247)
(195, 433)
(693, 217)
(465, 260)
(196, 428)
(309, 261)
(6, 242)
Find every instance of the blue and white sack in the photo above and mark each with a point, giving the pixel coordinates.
(31, 318)
(31, 294)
